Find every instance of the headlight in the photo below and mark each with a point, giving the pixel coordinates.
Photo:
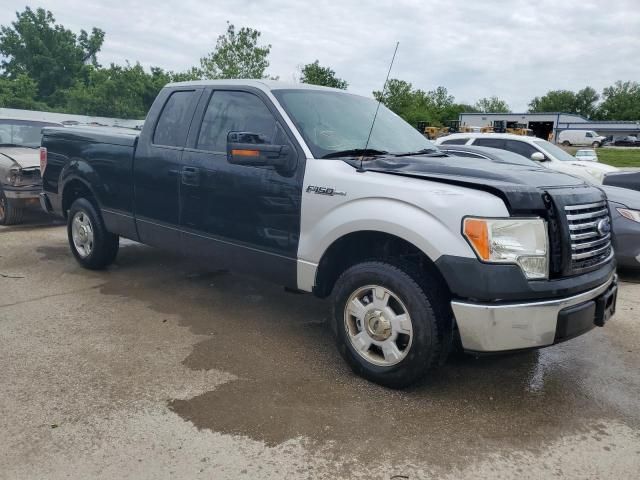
(15, 176)
(596, 173)
(630, 214)
(510, 240)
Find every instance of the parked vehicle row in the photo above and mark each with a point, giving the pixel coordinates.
(623, 141)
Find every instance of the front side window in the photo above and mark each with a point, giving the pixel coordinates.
(589, 135)
(231, 111)
(551, 150)
(173, 124)
(521, 148)
(333, 122)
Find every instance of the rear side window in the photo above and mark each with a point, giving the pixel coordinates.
(455, 141)
(521, 148)
(173, 124)
(235, 112)
(489, 142)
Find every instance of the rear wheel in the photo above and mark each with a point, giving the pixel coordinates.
(387, 324)
(566, 143)
(93, 246)
(10, 214)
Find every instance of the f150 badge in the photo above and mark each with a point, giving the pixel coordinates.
(324, 191)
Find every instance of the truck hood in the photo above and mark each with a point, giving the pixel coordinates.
(24, 157)
(520, 186)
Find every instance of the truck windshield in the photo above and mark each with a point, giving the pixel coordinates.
(554, 151)
(332, 122)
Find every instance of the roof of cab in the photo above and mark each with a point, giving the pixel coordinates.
(261, 84)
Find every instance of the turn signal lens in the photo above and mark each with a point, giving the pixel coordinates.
(245, 153)
(630, 214)
(478, 234)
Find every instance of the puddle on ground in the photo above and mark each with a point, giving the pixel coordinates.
(292, 381)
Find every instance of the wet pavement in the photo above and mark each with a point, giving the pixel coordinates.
(163, 368)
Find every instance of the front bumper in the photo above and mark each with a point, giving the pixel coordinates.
(22, 193)
(487, 327)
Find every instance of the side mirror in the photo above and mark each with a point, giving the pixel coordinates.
(538, 157)
(251, 149)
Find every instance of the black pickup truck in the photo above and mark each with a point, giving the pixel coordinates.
(415, 247)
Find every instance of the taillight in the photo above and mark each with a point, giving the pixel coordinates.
(43, 160)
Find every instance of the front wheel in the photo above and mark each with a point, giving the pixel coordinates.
(93, 246)
(10, 214)
(595, 144)
(388, 326)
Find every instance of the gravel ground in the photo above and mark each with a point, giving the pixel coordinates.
(162, 368)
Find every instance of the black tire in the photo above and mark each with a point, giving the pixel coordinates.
(566, 143)
(10, 214)
(427, 306)
(105, 244)
(595, 144)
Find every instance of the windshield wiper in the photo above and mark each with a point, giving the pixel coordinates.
(356, 152)
(429, 152)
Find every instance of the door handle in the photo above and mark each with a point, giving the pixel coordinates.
(191, 176)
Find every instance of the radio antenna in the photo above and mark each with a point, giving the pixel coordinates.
(384, 89)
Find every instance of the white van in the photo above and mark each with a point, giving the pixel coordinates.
(580, 137)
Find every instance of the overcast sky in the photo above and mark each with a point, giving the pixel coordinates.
(513, 49)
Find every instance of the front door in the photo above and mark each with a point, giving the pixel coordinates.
(243, 217)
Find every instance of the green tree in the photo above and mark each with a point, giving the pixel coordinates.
(437, 106)
(492, 105)
(620, 101)
(236, 55)
(586, 102)
(316, 74)
(19, 93)
(582, 102)
(53, 56)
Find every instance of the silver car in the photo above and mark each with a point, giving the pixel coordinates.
(20, 181)
(587, 155)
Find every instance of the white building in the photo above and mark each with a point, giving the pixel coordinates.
(544, 124)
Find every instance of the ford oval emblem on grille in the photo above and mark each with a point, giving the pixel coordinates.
(604, 226)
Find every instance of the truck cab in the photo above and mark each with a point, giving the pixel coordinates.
(296, 184)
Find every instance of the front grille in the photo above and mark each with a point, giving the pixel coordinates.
(590, 243)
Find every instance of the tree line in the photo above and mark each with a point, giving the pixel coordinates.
(46, 66)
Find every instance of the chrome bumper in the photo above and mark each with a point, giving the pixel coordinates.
(512, 326)
(26, 193)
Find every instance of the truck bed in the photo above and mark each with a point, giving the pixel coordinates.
(109, 135)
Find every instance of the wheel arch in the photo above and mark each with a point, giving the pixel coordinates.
(74, 188)
(358, 246)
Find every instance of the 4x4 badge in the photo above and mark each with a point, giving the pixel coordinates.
(324, 191)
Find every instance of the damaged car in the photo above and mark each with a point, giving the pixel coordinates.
(20, 180)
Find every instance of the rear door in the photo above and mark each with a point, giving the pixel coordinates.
(158, 164)
(245, 218)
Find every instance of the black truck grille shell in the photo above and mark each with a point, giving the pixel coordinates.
(590, 243)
